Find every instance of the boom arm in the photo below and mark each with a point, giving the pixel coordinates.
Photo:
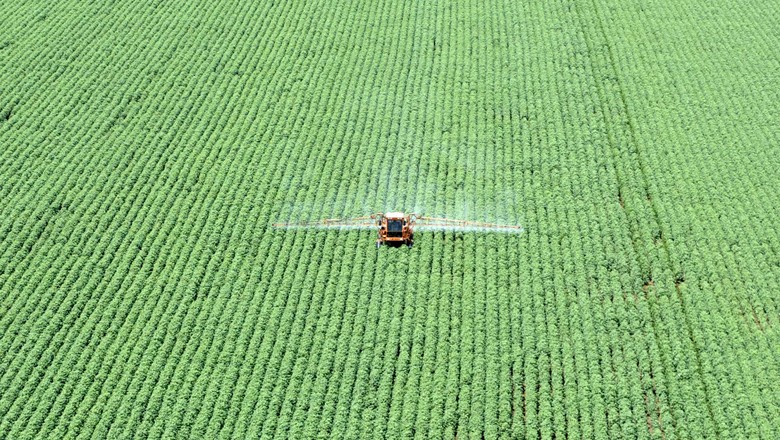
(437, 223)
(366, 222)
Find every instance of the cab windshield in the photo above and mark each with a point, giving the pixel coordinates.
(394, 228)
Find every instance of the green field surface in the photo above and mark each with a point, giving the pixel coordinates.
(146, 148)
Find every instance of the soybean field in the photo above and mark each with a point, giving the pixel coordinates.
(147, 147)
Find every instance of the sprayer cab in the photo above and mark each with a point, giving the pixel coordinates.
(395, 228)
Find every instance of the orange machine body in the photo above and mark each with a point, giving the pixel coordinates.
(395, 228)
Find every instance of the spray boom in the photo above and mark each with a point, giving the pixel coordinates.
(397, 227)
